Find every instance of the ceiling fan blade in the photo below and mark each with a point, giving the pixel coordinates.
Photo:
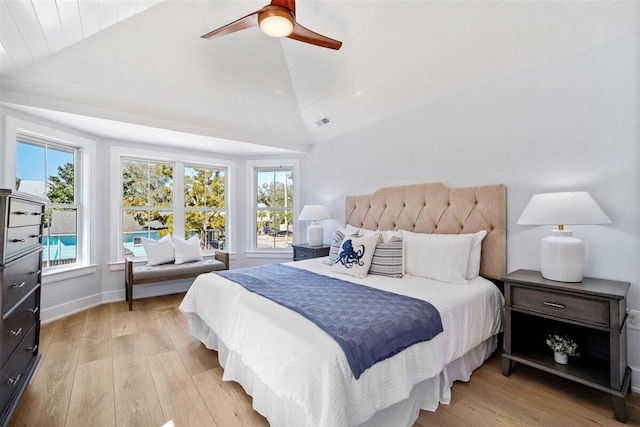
(302, 34)
(241, 24)
(288, 4)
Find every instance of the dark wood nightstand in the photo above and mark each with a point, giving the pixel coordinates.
(304, 251)
(591, 312)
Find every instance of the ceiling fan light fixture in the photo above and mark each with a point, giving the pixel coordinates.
(276, 22)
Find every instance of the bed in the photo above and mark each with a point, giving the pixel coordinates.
(298, 375)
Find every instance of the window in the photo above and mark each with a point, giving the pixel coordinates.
(274, 201)
(204, 203)
(161, 196)
(147, 203)
(48, 170)
(272, 195)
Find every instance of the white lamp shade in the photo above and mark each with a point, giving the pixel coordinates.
(314, 213)
(563, 208)
(562, 256)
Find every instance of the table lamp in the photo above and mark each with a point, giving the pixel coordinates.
(562, 256)
(314, 213)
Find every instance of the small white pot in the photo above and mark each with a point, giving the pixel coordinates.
(561, 358)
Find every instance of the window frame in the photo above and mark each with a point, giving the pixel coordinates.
(84, 188)
(121, 152)
(252, 167)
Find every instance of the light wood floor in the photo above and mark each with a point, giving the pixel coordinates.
(108, 366)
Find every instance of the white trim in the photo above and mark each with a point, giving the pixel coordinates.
(86, 235)
(276, 254)
(68, 308)
(251, 166)
(63, 274)
(119, 152)
(635, 380)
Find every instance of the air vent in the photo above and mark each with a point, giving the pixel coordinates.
(323, 121)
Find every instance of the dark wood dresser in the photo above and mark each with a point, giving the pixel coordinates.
(591, 313)
(21, 220)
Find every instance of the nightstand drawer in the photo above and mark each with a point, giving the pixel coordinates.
(570, 307)
(303, 254)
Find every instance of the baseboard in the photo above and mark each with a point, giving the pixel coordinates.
(140, 291)
(635, 380)
(68, 308)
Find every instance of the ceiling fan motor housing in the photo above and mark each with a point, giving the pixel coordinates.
(276, 21)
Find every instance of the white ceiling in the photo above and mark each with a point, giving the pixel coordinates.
(143, 63)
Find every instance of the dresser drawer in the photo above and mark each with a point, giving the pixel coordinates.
(21, 239)
(571, 307)
(13, 373)
(19, 278)
(16, 325)
(23, 213)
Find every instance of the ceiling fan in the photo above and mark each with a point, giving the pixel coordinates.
(278, 19)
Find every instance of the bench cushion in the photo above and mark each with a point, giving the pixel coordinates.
(165, 271)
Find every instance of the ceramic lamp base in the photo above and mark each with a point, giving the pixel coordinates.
(562, 257)
(315, 234)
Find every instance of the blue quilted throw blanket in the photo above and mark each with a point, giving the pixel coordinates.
(370, 325)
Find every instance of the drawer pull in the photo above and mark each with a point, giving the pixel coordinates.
(35, 272)
(21, 213)
(18, 285)
(13, 333)
(37, 213)
(33, 310)
(35, 236)
(553, 304)
(18, 240)
(14, 381)
(33, 349)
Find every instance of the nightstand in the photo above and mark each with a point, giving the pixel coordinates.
(591, 312)
(304, 251)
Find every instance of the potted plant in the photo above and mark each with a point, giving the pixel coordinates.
(562, 347)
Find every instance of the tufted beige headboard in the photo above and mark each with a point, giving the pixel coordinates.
(436, 208)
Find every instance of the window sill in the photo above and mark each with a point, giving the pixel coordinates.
(68, 273)
(281, 254)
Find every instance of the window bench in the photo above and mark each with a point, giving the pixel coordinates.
(138, 275)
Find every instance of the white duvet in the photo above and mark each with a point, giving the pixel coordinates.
(300, 363)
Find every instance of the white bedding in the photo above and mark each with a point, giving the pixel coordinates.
(301, 364)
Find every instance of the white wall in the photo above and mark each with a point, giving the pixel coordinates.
(62, 295)
(570, 125)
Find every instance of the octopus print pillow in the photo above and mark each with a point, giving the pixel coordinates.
(355, 255)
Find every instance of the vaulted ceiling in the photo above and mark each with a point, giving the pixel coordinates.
(143, 63)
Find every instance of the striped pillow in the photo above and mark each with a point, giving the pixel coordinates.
(387, 259)
(336, 243)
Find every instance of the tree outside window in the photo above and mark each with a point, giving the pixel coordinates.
(147, 203)
(47, 170)
(274, 208)
(205, 207)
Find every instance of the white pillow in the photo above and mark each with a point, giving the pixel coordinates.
(473, 270)
(158, 251)
(358, 231)
(443, 257)
(355, 255)
(187, 250)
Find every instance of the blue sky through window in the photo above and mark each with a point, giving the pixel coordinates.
(31, 161)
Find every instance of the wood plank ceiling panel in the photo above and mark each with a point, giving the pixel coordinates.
(153, 68)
